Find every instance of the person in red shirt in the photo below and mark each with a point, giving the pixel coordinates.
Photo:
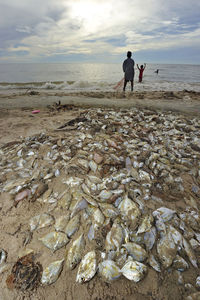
(141, 69)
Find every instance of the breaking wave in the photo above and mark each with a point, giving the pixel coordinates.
(72, 86)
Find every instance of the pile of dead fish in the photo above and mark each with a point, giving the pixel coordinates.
(120, 176)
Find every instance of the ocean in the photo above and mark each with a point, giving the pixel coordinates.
(96, 77)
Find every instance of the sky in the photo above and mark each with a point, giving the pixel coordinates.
(157, 31)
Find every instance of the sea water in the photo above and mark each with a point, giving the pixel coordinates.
(97, 77)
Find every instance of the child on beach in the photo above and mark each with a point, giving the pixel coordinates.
(141, 69)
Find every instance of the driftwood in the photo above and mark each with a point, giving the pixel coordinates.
(58, 106)
(73, 122)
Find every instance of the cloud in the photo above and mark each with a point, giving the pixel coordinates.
(52, 28)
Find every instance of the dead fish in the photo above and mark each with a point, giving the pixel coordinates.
(87, 268)
(128, 163)
(150, 238)
(164, 213)
(109, 210)
(93, 166)
(97, 218)
(72, 226)
(52, 272)
(90, 200)
(64, 200)
(129, 211)
(54, 240)
(22, 195)
(190, 253)
(42, 187)
(41, 221)
(136, 251)
(3, 256)
(97, 158)
(180, 264)
(114, 238)
(146, 224)
(108, 270)
(91, 233)
(134, 270)
(198, 282)
(105, 195)
(166, 249)
(153, 263)
(80, 205)
(74, 254)
(61, 223)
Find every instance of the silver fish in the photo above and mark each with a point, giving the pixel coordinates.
(180, 264)
(109, 270)
(150, 238)
(136, 251)
(164, 213)
(129, 211)
(75, 253)
(72, 226)
(54, 240)
(153, 263)
(166, 249)
(87, 268)
(41, 221)
(134, 270)
(146, 224)
(61, 223)
(52, 272)
(114, 238)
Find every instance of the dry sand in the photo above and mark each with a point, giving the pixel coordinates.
(16, 121)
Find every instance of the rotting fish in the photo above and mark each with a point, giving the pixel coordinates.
(61, 223)
(41, 221)
(146, 224)
(87, 268)
(154, 263)
(52, 272)
(150, 238)
(134, 270)
(114, 238)
(54, 240)
(166, 249)
(72, 226)
(129, 211)
(136, 251)
(75, 252)
(164, 213)
(108, 270)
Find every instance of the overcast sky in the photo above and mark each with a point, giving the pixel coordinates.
(99, 30)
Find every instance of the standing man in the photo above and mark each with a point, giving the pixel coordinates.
(129, 72)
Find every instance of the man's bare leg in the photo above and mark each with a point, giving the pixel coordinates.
(131, 85)
(125, 83)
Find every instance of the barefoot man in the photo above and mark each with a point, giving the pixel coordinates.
(129, 72)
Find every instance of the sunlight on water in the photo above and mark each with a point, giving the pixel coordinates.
(103, 77)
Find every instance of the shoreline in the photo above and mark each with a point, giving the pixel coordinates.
(166, 101)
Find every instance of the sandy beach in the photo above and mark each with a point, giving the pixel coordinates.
(56, 110)
(16, 106)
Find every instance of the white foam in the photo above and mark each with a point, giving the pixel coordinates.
(105, 86)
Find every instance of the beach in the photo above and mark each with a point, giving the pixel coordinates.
(17, 105)
(75, 120)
